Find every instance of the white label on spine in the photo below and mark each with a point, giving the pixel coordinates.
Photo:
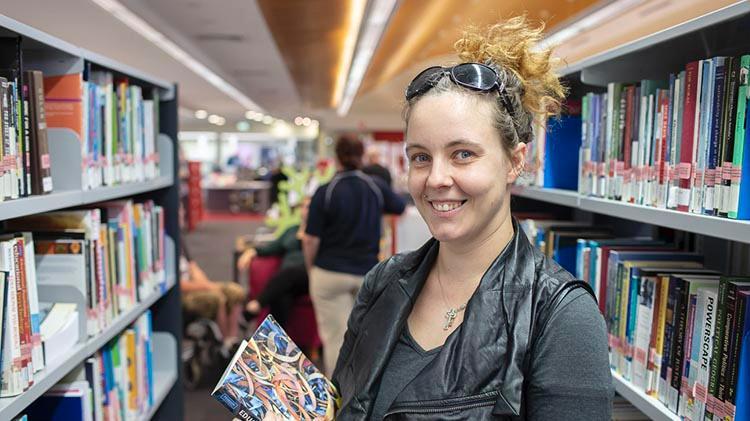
(672, 197)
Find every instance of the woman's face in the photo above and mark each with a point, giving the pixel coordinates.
(458, 170)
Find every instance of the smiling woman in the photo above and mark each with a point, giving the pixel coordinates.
(477, 324)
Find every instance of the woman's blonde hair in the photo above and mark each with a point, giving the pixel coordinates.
(528, 72)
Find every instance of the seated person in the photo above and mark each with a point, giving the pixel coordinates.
(219, 301)
(290, 281)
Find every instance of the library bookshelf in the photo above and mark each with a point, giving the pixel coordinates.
(722, 32)
(41, 51)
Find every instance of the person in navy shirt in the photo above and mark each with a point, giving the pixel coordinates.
(342, 241)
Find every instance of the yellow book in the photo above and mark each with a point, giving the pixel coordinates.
(132, 370)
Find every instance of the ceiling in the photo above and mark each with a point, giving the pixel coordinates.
(285, 54)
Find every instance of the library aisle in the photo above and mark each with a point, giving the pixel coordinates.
(192, 194)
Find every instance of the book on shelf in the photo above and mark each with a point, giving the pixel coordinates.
(678, 331)
(116, 122)
(677, 143)
(251, 385)
(113, 256)
(116, 383)
(558, 139)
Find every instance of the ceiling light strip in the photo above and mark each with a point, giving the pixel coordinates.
(356, 13)
(140, 26)
(377, 19)
(588, 21)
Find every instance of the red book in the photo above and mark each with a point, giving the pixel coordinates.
(687, 152)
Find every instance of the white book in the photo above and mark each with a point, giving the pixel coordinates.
(644, 319)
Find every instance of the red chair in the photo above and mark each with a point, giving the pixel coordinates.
(301, 326)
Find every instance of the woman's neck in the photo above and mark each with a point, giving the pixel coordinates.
(458, 262)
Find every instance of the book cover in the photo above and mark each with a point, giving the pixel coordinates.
(270, 375)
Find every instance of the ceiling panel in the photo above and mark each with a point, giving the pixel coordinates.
(310, 35)
(421, 29)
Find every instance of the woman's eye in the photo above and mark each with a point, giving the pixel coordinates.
(464, 155)
(419, 158)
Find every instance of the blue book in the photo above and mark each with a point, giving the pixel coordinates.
(743, 209)
(65, 402)
(717, 109)
(742, 401)
(561, 152)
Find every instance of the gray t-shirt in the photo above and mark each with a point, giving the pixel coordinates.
(407, 360)
(567, 381)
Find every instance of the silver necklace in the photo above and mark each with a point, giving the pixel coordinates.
(452, 312)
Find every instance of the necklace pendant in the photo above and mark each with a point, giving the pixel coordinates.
(450, 315)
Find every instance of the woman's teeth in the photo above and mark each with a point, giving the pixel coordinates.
(446, 206)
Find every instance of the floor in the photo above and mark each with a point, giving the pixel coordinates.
(211, 245)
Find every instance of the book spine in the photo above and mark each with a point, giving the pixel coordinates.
(743, 376)
(726, 354)
(727, 150)
(714, 154)
(24, 318)
(669, 333)
(40, 141)
(678, 346)
(646, 302)
(704, 136)
(739, 329)
(686, 386)
(739, 138)
(684, 170)
(676, 136)
(743, 205)
(657, 334)
(716, 355)
(707, 330)
(7, 156)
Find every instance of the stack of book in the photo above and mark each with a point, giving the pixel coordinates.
(116, 122)
(116, 383)
(25, 165)
(675, 144)
(677, 331)
(113, 256)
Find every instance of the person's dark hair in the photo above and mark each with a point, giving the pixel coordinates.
(349, 152)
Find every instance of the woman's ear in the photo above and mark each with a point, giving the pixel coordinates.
(517, 160)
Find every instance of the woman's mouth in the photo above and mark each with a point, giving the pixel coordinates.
(444, 206)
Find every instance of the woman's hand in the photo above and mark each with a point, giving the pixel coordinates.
(247, 256)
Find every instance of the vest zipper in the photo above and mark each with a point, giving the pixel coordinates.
(430, 407)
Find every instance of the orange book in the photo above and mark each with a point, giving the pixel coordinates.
(63, 102)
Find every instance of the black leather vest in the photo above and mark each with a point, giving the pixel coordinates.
(479, 372)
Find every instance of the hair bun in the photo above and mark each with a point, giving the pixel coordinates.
(512, 45)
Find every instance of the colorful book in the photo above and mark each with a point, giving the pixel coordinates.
(251, 387)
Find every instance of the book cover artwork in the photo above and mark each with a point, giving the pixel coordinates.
(269, 378)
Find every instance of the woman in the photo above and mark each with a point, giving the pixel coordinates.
(477, 324)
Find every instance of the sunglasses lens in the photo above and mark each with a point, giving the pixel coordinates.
(423, 82)
(475, 76)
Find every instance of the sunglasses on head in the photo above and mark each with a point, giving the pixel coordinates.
(475, 76)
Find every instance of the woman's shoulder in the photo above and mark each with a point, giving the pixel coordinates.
(396, 267)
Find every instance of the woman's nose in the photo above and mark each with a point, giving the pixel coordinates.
(440, 175)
